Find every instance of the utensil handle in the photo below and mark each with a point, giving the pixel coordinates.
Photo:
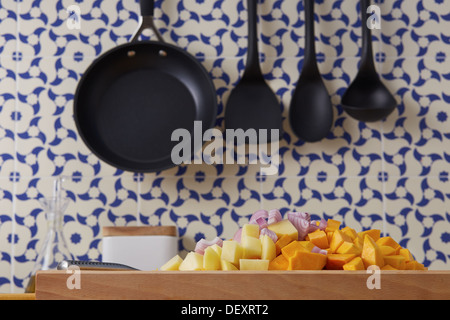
(367, 62)
(310, 38)
(147, 7)
(253, 68)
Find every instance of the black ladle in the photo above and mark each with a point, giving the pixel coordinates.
(311, 112)
(253, 104)
(367, 99)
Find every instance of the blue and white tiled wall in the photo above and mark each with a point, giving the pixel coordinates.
(391, 175)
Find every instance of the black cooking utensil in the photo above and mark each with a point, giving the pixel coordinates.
(132, 98)
(93, 266)
(367, 99)
(311, 111)
(253, 104)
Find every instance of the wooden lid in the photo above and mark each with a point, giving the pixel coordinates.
(140, 231)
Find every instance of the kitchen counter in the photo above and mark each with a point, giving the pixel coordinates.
(243, 285)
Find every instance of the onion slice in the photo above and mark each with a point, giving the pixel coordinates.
(272, 235)
(259, 214)
(201, 246)
(274, 217)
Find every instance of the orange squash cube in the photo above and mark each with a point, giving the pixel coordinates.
(350, 232)
(337, 261)
(332, 225)
(359, 242)
(354, 264)
(414, 265)
(396, 261)
(279, 263)
(292, 248)
(373, 233)
(282, 242)
(338, 238)
(388, 267)
(371, 253)
(348, 247)
(387, 251)
(388, 241)
(307, 244)
(407, 254)
(307, 261)
(319, 239)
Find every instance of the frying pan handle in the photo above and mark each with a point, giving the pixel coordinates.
(147, 7)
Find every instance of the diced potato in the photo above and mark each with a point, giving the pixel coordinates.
(254, 264)
(348, 247)
(231, 252)
(172, 265)
(307, 261)
(284, 227)
(251, 248)
(227, 266)
(250, 230)
(282, 242)
(338, 238)
(337, 261)
(192, 262)
(217, 249)
(279, 263)
(332, 225)
(396, 261)
(292, 248)
(371, 253)
(319, 239)
(268, 248)
(211, 260)
(354, 264)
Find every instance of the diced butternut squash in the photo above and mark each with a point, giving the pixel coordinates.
(211, 260)
(251, 248)
(373, 233)
(407, 254)
(350, 232)
(337, 261)
(227, 266)
(332, 225)
(338, 238)
(192, 262)
(268, 248)
(387, 251)
(319, 239)
(388, 267)
(250, 230)
(396, 261)
(307, 261)
(282, 242)
(388, 241)
(354, 264)
(359, 242)
(172, 265)
(284, 227)
(254, 264)
(414, 265)
(292, 248)
(231, 252)
(308, 245)
(348, 247)
(371, 253)
(279, 263)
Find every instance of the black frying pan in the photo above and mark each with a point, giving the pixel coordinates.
(132, 98)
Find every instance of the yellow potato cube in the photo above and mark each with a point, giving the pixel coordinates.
(172, 265)
(284, 227)
(269, 251)
(250, 230)
(254, 264)
(231, 252)
(192, 262)
(217, 249)
(211, 260)
(227, 266)
(251, 248)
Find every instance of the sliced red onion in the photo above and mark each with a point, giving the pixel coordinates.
(259, 214)
(201, 246)
(318, 250)
(237, 235)
(274, 216)
(269, 233)
(300, 223)
(262, 222)
(313, 227)
(323, 224)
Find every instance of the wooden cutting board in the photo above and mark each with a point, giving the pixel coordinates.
(244, 285)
